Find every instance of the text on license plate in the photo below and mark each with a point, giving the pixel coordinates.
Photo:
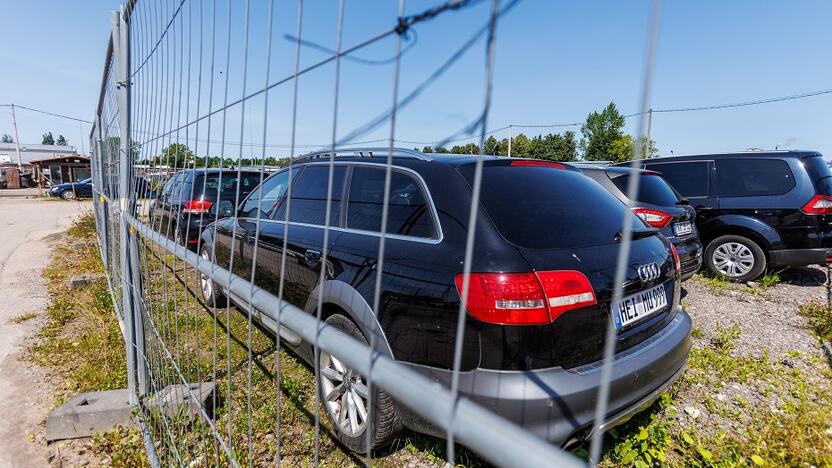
(682, 228)
(637, 306)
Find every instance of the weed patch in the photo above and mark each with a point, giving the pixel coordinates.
(820, 318)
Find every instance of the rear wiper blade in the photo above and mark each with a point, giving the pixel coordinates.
(636, 234)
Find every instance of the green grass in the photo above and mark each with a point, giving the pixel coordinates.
(820, 318)
(794, 433)
(717, 285)
(770, 280)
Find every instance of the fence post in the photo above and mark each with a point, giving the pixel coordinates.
(122, 57)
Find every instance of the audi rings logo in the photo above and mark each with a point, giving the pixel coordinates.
(648, 272)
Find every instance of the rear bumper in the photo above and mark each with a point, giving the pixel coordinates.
(801, 257)
(559, 405)
(690, 256)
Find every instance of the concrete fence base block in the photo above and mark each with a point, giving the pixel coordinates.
(174, 398)
(88, 413)
(82, 281)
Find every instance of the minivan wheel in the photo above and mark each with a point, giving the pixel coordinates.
(210, 294)
(67, 194)
(735, 257)
(345, 398)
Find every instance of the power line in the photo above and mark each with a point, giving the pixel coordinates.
(18, 106)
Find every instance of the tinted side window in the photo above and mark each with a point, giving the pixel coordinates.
(753, 177)
(308, 197)
(272, 190)
(690, 179)
(408, 213)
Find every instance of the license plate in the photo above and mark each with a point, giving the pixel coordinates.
(640, 305)
(682, 228)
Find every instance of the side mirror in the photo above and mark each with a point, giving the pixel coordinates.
(225, 209)
(683, 201)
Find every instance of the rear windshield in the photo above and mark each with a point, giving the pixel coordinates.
(652, 189)
(210, 182)
(819, 172)
(547, 208)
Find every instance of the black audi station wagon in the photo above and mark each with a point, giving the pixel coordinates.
(540, 293)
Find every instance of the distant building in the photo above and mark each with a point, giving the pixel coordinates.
(29, 153)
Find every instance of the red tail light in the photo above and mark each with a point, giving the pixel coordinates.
(654, 218)
(526, 298)
(676, 259)
(819, 205)
(197, 206)
(528, 163)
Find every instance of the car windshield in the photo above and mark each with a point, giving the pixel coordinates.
(547, 208)
(652, 189)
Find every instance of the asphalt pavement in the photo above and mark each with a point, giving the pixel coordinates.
(29, 229)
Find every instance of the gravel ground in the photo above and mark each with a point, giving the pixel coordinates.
(767, 317)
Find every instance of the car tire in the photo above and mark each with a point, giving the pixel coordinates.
(68, 195)
(735, 257)
(383, 417)
(210, 293)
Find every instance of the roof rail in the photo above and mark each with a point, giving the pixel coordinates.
(364, 152)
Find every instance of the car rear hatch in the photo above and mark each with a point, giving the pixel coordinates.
(569, 231)
(657, 204)
(819, 207)
(214, 190)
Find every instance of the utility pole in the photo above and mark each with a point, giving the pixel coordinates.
(649, 129)
(509, 140)
(16, 141)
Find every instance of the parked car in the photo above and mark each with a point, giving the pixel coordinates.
(756, 209)
(540, 291)
(658, 205)
(70, 190)
(192, 199)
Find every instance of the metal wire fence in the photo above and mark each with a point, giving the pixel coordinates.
(186, 128)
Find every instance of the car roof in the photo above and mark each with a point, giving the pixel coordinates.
(800, 154)
(215, 170)
(611, 170)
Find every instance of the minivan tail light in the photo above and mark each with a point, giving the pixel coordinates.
(819, 205)
(525, 298)
(197, 206)
(654, 218)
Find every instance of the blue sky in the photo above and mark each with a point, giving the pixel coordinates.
(555, 62)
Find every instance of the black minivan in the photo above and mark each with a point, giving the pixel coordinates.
(539, 299)
(756, 208)
(658, 205)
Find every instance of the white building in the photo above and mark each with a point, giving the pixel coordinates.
(29, 152)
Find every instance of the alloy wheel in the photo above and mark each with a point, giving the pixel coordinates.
(733, 259)
(204, 281)
(346, 396)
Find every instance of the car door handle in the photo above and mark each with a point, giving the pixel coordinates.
(312, 254)
(250, 240)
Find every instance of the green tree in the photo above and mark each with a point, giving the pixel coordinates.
(48, 139)
(521, 146)
(600, 131)
(469, 148)
(7, 138)
(622, 149)
(555, 147)
(427, 149)
(492, 146)
(61, 141)
(176, 155)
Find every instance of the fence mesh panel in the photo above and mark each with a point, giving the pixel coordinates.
(203, 100)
